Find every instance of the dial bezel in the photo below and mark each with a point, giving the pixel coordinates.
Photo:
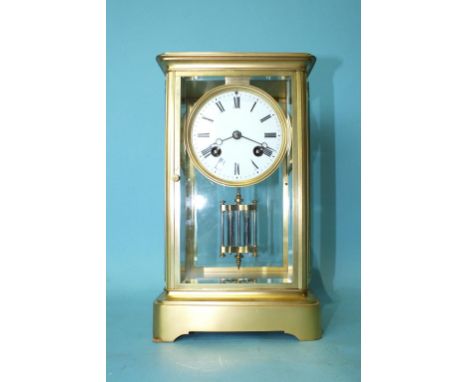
(209, 96)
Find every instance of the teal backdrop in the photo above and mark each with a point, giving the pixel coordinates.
(136, 32)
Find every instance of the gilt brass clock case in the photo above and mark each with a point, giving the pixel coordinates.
(237, 254)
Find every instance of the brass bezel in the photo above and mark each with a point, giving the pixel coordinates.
(223, 89)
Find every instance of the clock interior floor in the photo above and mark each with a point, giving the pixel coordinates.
(132, 356)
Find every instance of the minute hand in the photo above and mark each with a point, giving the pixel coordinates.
(258, 143)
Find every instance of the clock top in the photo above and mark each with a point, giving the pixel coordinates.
(171, 61)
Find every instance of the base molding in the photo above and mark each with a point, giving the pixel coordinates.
(175, 317)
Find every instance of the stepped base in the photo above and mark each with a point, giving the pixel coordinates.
(173, 317)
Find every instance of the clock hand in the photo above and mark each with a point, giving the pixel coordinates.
(264, 144)
(220, 141)
(225, 139)
(214, 148)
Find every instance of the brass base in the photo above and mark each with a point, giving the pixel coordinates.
(173, 317)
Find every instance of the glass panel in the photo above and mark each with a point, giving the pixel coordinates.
(235, 234)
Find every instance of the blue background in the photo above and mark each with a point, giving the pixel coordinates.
(136, 32)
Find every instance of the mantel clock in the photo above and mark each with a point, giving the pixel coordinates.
(237, 196)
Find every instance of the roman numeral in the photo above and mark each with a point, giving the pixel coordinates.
(236, 169)
(255, 165)
(267, 151)
(220, 163)
(265, 118)
(237, 102)
(208, 119)
(270, 135)
(206, 152)
(220, 106)
(253, 106)
(203, 135)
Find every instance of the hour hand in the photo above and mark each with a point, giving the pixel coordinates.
(219, 141)
(214, 148)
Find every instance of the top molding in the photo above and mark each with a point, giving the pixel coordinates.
(174, 61)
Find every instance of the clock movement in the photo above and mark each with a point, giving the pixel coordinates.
(237, 196)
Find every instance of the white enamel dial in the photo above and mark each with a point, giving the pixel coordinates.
(237, 135)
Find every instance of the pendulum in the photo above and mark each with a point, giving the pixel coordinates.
(238, 229)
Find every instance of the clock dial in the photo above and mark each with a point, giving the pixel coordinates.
(236, 135)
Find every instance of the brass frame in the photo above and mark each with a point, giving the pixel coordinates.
(237, 307)
(284, 129)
